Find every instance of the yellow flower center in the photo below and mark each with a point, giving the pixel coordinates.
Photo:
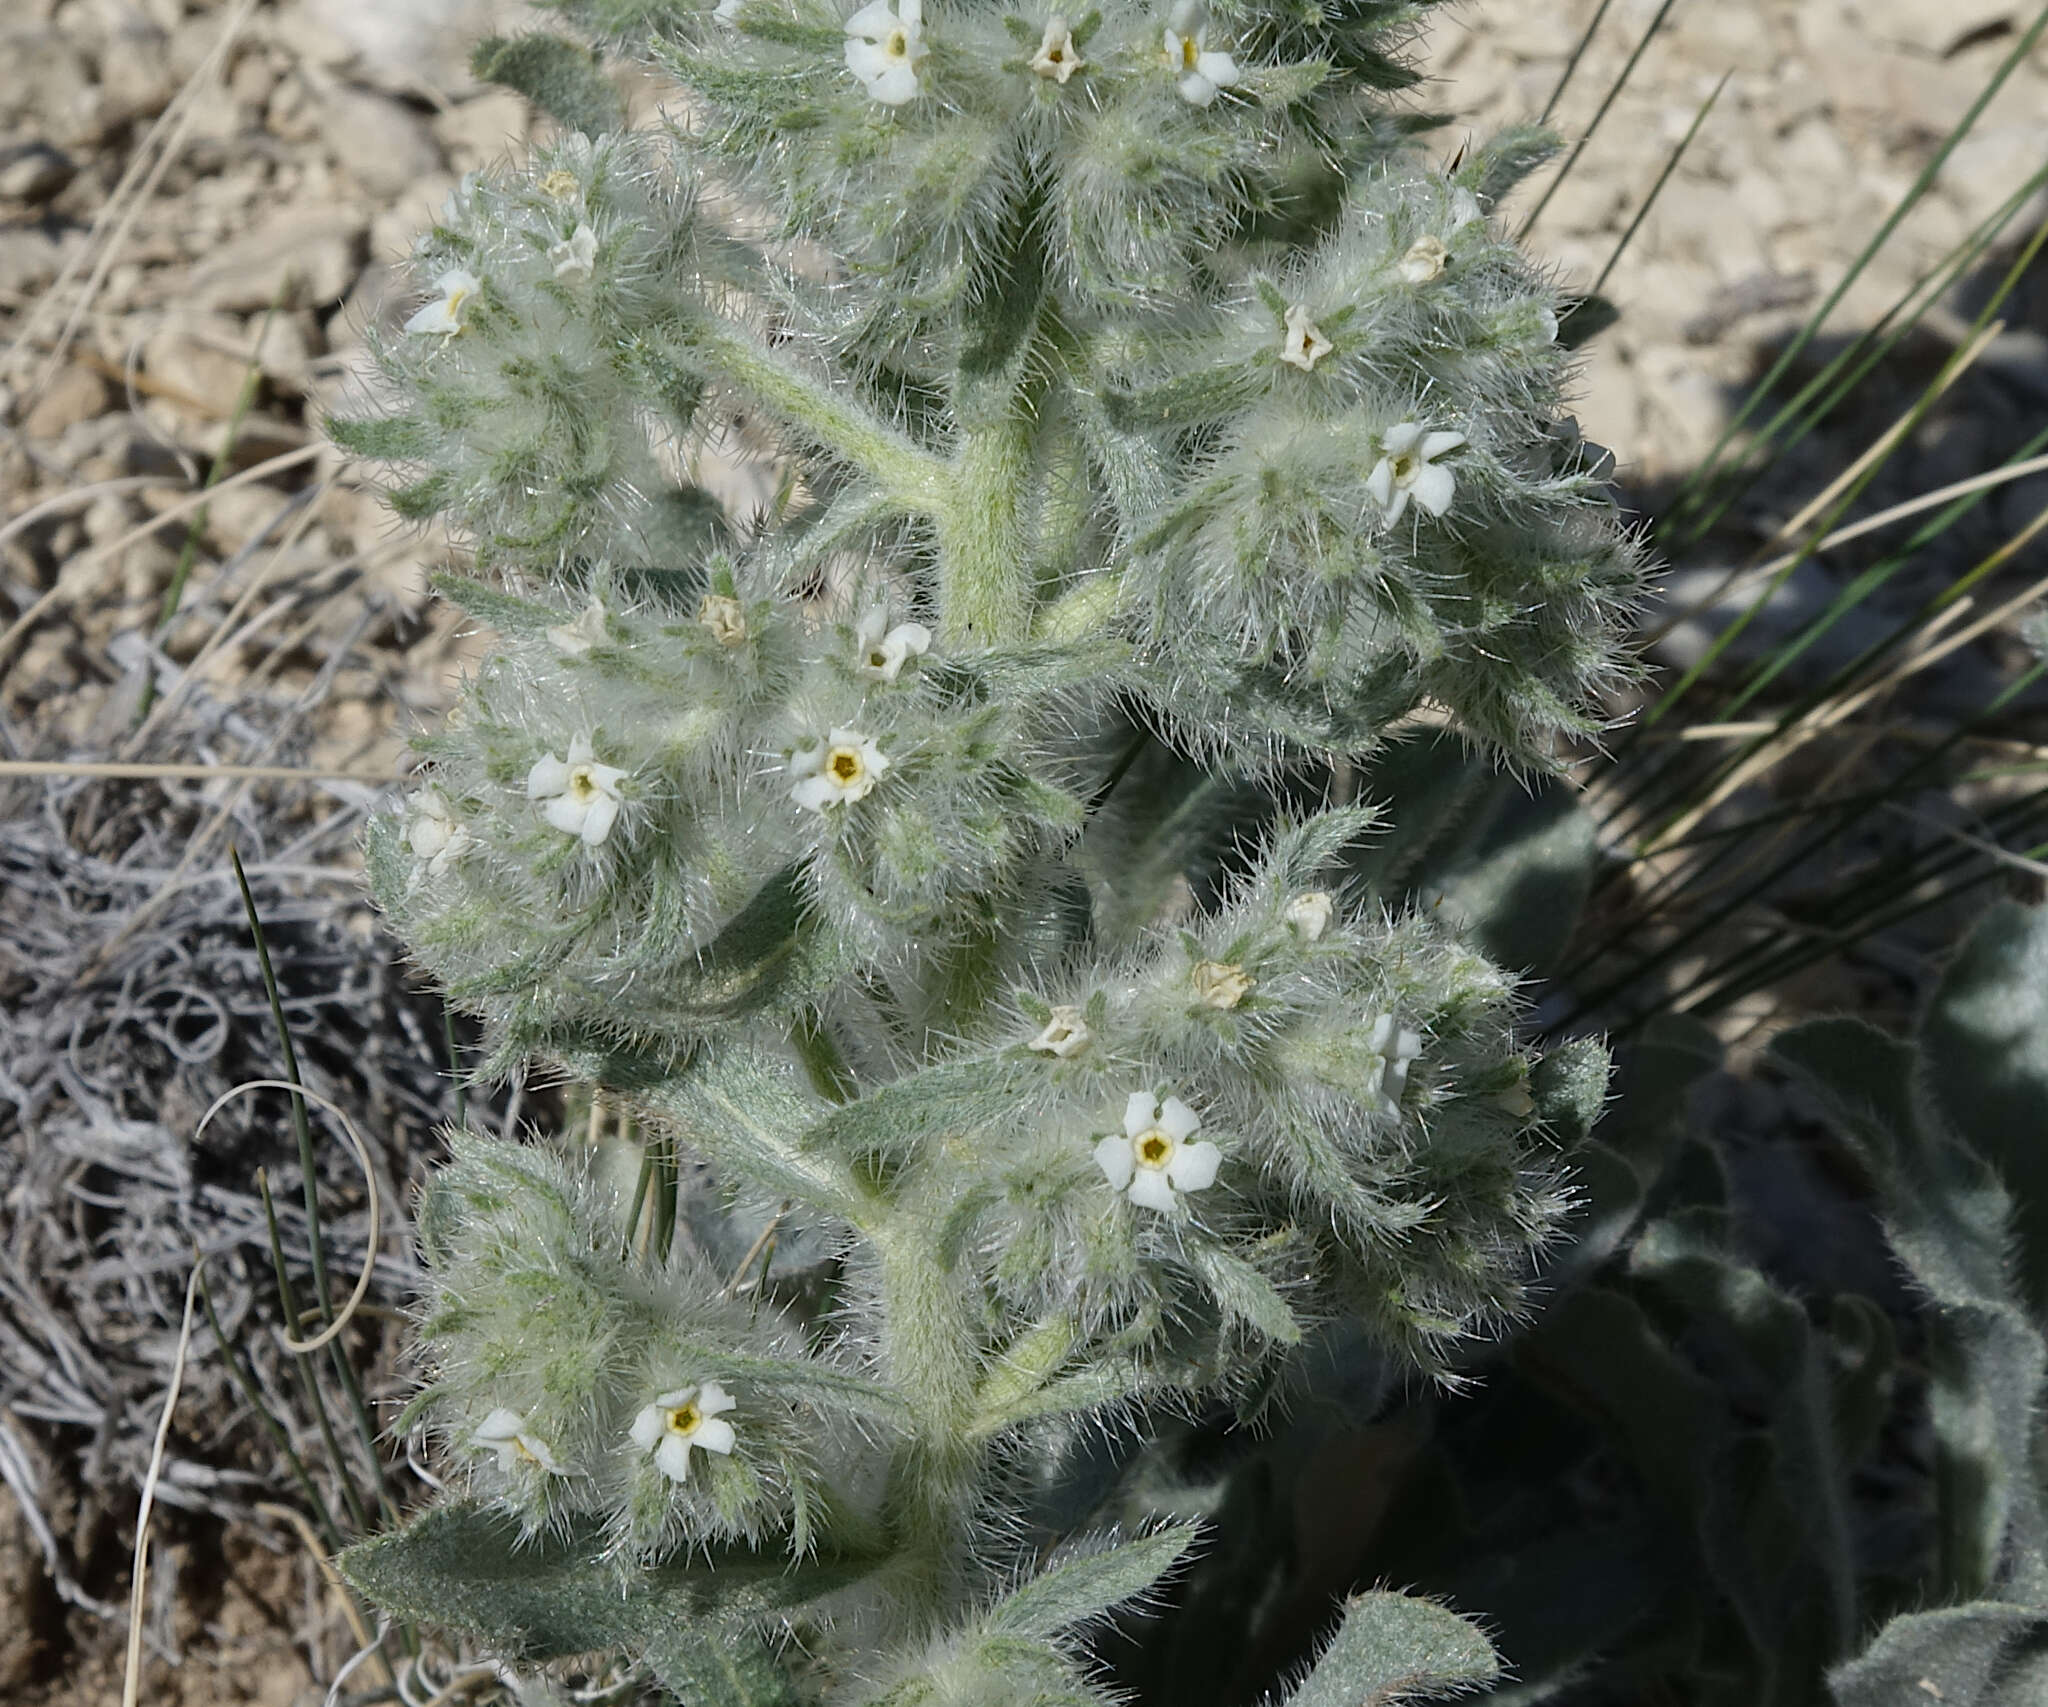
(878, 659)
(1153, 1149)
(684, 1419)
(1189, 53)
(583, 787)
(845, 766)
(559, 184)
(1405, 466)
(527, 1452)
(898, 46)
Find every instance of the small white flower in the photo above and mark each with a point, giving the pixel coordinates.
(1407, 468)
(437, 840)
(1220, 984)
(1396, 1045)
(675, 1422)
(1426, 259)
(1464, 209)
(1199, 71)
(1309, 915)
(1151, 1161)
(444, 313)
(884, 49)
(505, 1433)
(882, 650)
(725, 617)
(581, 796)
(1057, 57)
(1066, 1034)
(576, 254)
(1302, 344)
(575, 639)
(842, 768)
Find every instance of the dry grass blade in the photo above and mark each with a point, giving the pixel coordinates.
(131, 1680)
(186, 772)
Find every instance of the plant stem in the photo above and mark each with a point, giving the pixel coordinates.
(986, 574)
(838, 423)
(932, 1338)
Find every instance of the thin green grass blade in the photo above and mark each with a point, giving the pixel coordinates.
(1614, 90)
(316, 1401)
(280, 1437)
(303, 1130)
(1664, 177)
(457, 1074)
(1685, 500)
(1817, 399)
(1571, 65)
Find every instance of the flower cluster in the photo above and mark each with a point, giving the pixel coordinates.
(569, 1384)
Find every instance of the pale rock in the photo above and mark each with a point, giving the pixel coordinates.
(76, 394)
(292, 113)
(46, 88)
(1990, 163)
(320, 249)
(107, 518)
(34, 171)
(290, 343)
(253, 80)
(1935, 32)
(194, 359)
(483, 131)
(137, 78)
(240, 514)
(385, 145)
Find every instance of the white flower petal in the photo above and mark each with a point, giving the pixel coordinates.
(1309, 915)
(896, 86)
(1141, 1109)
(566, 813)
(1219, 69)
(714, 1434)
(1196, 90)
(713, 1400)
(548, 776)
(1398, 507)
(815, 793)
(1113, 1157)
(500, 1426)
(1401, 438)
(598, 818)
(1434, 487)
(1379, 484)
(1435, 444)
(1464, 209)
(1193, 1167)
(1178, 1121)
(1151, 1189)
(873, 21)
(868, 60)
(672, 1457)
(648, 1426)
(579, 751)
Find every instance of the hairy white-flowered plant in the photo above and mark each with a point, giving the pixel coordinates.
(884, 650)
(575, 257)
(1057, 58)
(1407, 468)
(505, 1433)
(885, 47)
(444, 313)
(1152, 1161)
(577, 795)
(1064, 1035)
(837, 771)
(433, 832)
(1302, 343)
(864, 843)
(1200, 71)
(681, 1420)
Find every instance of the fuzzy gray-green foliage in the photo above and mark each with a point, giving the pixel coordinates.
(1158, 427)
